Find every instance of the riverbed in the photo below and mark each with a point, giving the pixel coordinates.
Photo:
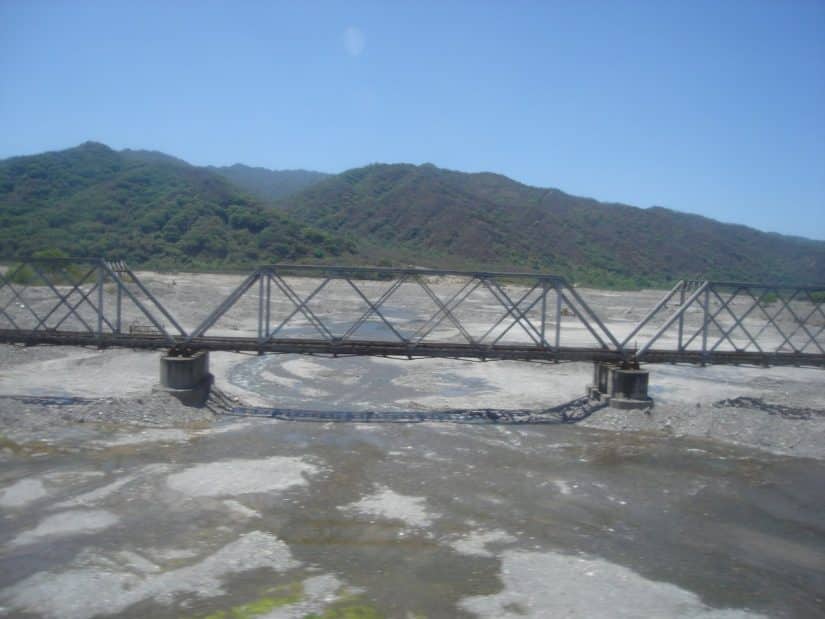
(408, 520)
(115, 500)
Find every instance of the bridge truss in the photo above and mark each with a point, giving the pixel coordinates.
(407, 312)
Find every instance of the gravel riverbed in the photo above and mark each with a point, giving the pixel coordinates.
(116, 500)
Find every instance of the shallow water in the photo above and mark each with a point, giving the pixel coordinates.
(401, 513)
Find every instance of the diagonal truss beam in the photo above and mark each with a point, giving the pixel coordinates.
(152, 299)
(711, 318)
(673, 318)
(63, 300)
(641, 324)
(224, 306)
(439, 316)
(512, 309)
(801, 324)
(270, 335)
(6, 281)
(303, 307)
(594, 317)
(740, 320)
(785, 305)
(447, 311)
(374, 309)
(107, 269)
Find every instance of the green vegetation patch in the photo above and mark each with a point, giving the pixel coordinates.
(33, 273)
(91, 201)
(349, 606)
(279, 596)
(7, 443)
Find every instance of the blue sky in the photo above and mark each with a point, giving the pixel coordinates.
(715, 108)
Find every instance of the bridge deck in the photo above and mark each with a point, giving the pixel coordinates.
(398, 349)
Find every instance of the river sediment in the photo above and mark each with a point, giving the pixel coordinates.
(118, 501)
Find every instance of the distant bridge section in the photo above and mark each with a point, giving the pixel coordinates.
(337, 310)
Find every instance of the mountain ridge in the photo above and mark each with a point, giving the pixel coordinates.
(147, 207)
(490, 219)
(158, 210)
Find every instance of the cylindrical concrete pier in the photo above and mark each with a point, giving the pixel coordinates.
(187, 378)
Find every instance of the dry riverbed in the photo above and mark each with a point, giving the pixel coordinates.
(115, 500)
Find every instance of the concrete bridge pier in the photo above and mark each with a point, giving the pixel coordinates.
(186, 377)
(622, 385)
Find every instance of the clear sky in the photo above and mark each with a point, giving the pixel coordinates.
(713, 107)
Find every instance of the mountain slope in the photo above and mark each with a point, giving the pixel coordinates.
(434, 216)
(156, 210)
(268, 185)
(146, 207)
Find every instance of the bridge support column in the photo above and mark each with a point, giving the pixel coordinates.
(187, 378)
(622, 386)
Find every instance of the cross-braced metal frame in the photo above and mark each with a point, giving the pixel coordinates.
(412, 313)
(74, 302)
(535, 306)
(715, 318)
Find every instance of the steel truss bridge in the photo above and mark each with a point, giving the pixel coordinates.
(336, 310)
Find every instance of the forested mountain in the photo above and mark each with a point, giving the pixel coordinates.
(268, 185)
(155, 210)
(148, 208)
(427, 215)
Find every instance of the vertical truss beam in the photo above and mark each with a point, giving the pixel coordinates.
(557, 338)
(543, 312)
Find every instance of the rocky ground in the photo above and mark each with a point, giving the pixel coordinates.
(779, 410)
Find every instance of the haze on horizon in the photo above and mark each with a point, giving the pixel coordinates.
(710, 108)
